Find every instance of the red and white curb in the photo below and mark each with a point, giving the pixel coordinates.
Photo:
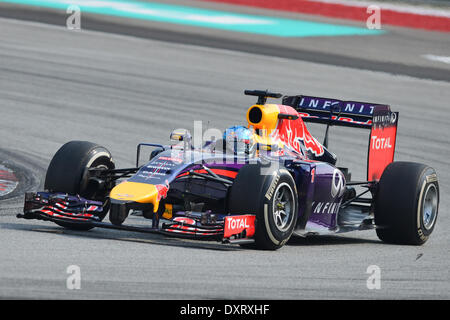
(411, 16)
(8, 181)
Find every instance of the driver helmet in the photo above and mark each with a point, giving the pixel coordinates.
(239, 139)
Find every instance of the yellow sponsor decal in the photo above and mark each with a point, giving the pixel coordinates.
(168, 212)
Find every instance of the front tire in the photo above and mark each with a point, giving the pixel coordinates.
(406, 203)
(68, 173)
(273, 198)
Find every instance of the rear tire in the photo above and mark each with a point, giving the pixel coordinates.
(406, 203)
(273, 198)
(68, 173)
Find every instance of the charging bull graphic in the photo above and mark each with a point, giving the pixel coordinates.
(162, 190)
(294, 132)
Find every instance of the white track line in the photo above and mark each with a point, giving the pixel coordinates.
(432, 57)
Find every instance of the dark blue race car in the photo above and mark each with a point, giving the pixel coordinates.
(257, 185)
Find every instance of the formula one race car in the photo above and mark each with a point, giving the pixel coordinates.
(257, 185)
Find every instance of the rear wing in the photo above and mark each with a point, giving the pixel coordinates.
(379, 118)
(335, 112)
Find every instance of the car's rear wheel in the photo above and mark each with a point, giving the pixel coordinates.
(68, 173)
(406, 203)
(272, 198)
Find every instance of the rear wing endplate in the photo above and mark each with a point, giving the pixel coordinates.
(383, 135)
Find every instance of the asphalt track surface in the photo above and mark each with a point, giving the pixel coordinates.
(58, 85)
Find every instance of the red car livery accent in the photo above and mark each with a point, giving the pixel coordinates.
(237, 224)
(367, 123)
(381, 146)
(188, 226)
(162, 190)
(221, 172)
(184, 220)
(292, 132)
(173, 159)
(52, 211)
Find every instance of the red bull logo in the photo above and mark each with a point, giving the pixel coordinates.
(162, 190)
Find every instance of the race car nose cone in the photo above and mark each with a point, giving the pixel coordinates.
(140, 192)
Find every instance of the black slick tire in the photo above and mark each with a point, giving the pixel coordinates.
(256, 193)
(68, 173)
(406, 203)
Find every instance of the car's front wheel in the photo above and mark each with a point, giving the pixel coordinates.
(68, 172)
(272, 198)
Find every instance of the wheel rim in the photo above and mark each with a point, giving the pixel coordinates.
(283, 206)
(429, 207)
(90, 193)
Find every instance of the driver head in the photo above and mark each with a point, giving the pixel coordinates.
(239, 139)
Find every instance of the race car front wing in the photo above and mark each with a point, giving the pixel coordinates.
(60, 207)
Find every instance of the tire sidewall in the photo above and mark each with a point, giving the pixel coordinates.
(266, 229)
(68, 171)
(399, 203)
(423, 233)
